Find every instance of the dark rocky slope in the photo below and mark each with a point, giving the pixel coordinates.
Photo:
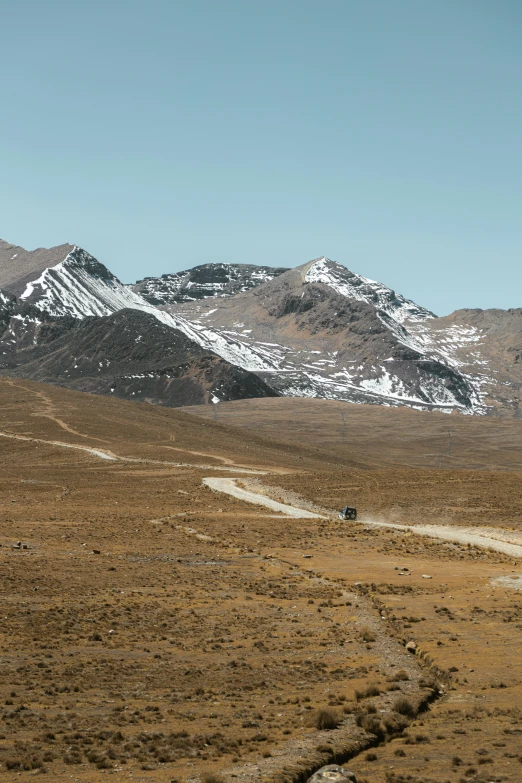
(129, 354)
(203, 282)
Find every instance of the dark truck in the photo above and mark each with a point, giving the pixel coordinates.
(348, 512)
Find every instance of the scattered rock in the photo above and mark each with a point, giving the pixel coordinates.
(411, 646)
(426, 576)
(96, 551)
(333, 773)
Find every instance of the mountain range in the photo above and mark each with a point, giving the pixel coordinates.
(231, 331)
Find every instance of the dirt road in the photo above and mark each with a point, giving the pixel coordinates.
(491, 538)
(496, 539)
(230, 487)
(95, 452)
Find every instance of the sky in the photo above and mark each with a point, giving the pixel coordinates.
(162, 134)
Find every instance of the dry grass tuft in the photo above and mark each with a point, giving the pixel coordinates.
(326, 719)
(404, 707)
(368, 692)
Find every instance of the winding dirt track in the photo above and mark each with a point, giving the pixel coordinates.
(109, 455)
(490, 538)
(230, 487)
(95, 452)
(493, 539)
(462, 535)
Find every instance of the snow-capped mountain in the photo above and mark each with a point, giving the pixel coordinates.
(318, 330)
(75, 324)
(79, 286)
(202, 282)
(321, 331)
(353, 286)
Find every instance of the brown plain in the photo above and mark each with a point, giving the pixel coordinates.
(208, 635)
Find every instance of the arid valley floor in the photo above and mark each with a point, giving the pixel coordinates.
(155, 629)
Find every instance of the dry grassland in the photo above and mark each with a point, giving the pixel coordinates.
(156, 631)
(372, 436)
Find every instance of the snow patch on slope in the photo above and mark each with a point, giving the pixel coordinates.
(80, 286)
(412, 325)
(363, 289)
(203, 282)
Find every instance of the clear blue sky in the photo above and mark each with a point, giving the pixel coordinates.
(160, 134)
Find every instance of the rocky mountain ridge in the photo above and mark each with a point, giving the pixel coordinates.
(204, 281)
(318, 330)
(321, 331)
(75, 324)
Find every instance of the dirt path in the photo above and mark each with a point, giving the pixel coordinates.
(230, 487)
(504, 541)
(109, 455)
(49, 411)
(496, 539)
(95, 452)
(225, 460)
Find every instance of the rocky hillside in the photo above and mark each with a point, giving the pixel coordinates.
(202, 282)
(75, 324)
(129, 354)
(321, 331)
(318, 330)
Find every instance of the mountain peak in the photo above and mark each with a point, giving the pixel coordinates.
(354, 286)
(19, 266)
(79, 285)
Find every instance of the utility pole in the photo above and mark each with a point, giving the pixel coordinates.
(443, 456)
(344, 417)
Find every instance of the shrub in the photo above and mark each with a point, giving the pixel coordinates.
(395, 724)
(373, 725)
(429, 682)
(404, 707)
(400, 676)
(211, 777)
(324, 749)
(326, 719)
(368, 692)
(72, 758)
